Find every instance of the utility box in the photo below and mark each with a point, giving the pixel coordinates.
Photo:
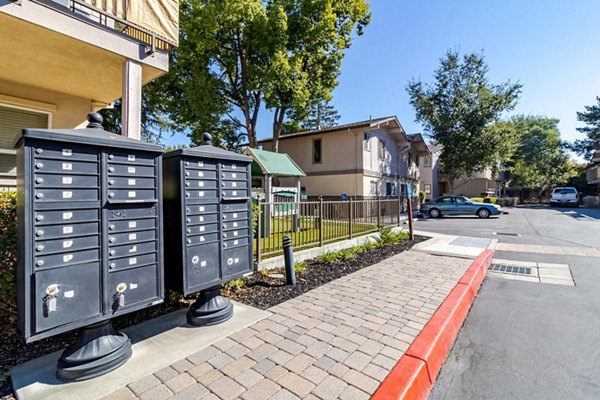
(208, 223)
(89, 228)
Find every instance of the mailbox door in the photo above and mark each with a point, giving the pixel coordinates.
(202, 269)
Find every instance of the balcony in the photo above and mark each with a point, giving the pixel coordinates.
(78, 47)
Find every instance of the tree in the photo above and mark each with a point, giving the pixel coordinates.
(305, 72)
(590, 117)
(457, 111)
(322, 115)
(540, 160)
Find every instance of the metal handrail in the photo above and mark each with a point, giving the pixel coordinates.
(141, 35)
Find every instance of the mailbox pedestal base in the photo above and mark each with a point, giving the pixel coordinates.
(210, 308)
(99, 349)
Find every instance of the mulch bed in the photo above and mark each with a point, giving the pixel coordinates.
(259, 290)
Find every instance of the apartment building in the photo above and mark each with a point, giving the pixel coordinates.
(61, 59)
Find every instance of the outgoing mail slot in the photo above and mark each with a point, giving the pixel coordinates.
(200, 174)
(235, 261)
(131, 225)
(64, 151)
(130, 157)
(66, 230)
(130, 195)
(235, 207)
(202, 209)
(141, 211)
(131, 249)
(142, 288)
(130, 237)
(132, 261)
(66, 194)
(240, 224)
(130, 170)
(202, 239)
(66, 258)
(65, 181)
(78, 295)
(201, 229)
(66, 245)
(116, 182)
(65, 216)
(65, 167)
(242, 241)
(202, 269)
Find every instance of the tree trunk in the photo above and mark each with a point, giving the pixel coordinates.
(278, 116)
(451, 185)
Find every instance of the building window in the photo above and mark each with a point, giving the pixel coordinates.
(381, 149)
(316, 151)
(374, 188)
(427, 162)
(417, 160)
(366, 142)
(390, 189)
(427, 188)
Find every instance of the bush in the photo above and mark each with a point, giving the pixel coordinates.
(255, 213)
(8, 249)
(492, 200)
(421, 197)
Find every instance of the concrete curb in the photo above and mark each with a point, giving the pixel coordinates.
(415, 373)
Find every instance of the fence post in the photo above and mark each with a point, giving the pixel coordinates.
(258, 235)
(320, 221)
(378, 212)
(350, 219)
(399, 209)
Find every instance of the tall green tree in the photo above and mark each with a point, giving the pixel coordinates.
(591, 118)
(322, 115)
(457, 111)
(540, 160)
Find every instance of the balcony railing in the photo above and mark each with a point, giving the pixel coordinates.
(120, 17)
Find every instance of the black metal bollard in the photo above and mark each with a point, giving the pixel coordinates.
(288, 256)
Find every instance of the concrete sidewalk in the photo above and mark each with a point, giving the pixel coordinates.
(338, 341)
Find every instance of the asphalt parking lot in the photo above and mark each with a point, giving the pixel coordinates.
(526, 340)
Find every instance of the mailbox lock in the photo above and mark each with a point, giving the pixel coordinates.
(188, 230)
(39, 151)
(195, 259)
(229, 261)
(110, 156)
(187, 195)
(222, 175)
(39, 233)
(189, 241)
(187, 163)
(40, 263)
(112, 252)
(39, 180)
(111, 169)
(39, 248)
(112, 265)
(111, 239)
(121, 287)
(39, 165)
(111, 182)
(39, 195)
(111, 195)
(187, 174)
(188, 220)
(39, 218)
(111, 227)
(187, 184)
(52, 290)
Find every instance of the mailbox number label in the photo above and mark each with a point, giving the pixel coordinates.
(200, 173)
(67, 166)
(133, 261)
(132, 236)
(67, 180)
(130, 194)
(234, 175)
(133, 249)
(67, 258)
(131, 182)
(132, 224)
(201, 194)
(67, 229)
(131, 170)
(201, 208)
(201, 229)
(67, 152)
(67, 195)
(67, 244)
(200, 184)
(67, 215)
(131, 157)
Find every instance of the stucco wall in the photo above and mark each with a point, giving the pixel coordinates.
(67, 111)
(332, 185)
(371, 160)
(473, 187)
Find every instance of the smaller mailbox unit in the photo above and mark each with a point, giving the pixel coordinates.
(89, 240)
(208, 226)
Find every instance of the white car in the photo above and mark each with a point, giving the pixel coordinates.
(564, 196)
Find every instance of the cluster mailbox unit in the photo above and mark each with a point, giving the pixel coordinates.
(208, 226)
(89, 240)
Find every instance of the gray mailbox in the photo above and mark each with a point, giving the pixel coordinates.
(90, 240)
(208, 226)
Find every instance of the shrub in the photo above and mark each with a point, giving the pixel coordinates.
(388, 237)
(300, 266)
(8, 248)
(492, 200)
(255, 213)
(421, 197)
(234, 284)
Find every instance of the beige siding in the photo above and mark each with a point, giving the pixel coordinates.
(331, 185)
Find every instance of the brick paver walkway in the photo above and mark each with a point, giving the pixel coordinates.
(338, 341)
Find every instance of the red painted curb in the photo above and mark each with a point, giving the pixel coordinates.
(415, 373)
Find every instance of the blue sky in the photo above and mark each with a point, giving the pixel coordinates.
(551, 47)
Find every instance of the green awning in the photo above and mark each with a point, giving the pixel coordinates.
(269, 163)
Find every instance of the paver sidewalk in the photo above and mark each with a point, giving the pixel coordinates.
(338, 341)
